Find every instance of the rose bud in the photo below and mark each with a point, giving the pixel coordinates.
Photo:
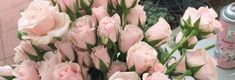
(66, 49)
(141, 56)
(70, 4)
(125, 76)
(159, 33)
(6, 70)
(84, 58)
(129, 3)
(157, 67)
(99, 13)
(129, 36)
(99, 53)
(117, 66)
(136, 15)
(155, 76)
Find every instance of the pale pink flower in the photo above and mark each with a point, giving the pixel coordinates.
(26, 71)
(100, 53)
(108, 28)
(157, 67)
(6, 70)
(39, 14)
(67, 71)
(129, 3)
(125, 76)
(129, 36)
(66, 49)
(117, 66)
(141, 56)
(136, 15)
(159, 33)
(84, 58)
(83, 32)
(99, 3)
(155, 76)
(99, 13)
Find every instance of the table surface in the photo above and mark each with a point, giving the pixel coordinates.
(222, 74)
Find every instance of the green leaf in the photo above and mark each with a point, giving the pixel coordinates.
(132, 68)
(20, 34)
(196, 24)
(103, 67)
(9, 77)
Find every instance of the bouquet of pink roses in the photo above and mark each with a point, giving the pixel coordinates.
(108, 40)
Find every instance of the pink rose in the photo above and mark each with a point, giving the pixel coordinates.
(108, 28)
(131, 35)
(6, 70)
(85, 74)
(46, 67)
(129, 3)
(155, 76)
(124, 76)
(159, 33)
(191, 41)
(67, 71)
(2, 78)
(136, 15)
(84, 58)
(99, 13)
(208, 22)
(66, 49)
(100, 53)
(157, 67)
(83, 32)
(141, 56)
(117, 66)
(22, 51)
(200, 57)
(99, 3)
(70, 4)
(42, 22)
(26, 71)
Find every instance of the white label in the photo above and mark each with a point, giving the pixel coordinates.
(231, 33)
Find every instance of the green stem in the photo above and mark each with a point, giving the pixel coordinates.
(209, 47)
(175, 65)
(194, 32)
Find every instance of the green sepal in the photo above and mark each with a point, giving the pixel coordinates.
(133, 4)
(9, 77)
(85, 7)
(197, 23)
(132, 68)
(89, 46)
(103, 67)
(52, 46)
(70, 13)
(169, 71)
(20, 34)
(196, 68)
(76, 9)
(154, 42)
(162, 54)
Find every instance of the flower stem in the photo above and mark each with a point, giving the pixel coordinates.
(209, 47)
(194, 32)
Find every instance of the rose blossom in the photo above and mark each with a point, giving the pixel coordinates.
(42, 22)
(191, 41)
(208, 22)
(108, 28)
(22, 51)
(99, 13)
(157, 67)
(6, 70)
(83, 32)
(200, 57)
(85, 74)
(70, 4)
(67, 71)
(65, 48)
(26, 71)
(159, 33)
(124, 76)
(100, 53)
(136, 15)
(131, 35)
(128, 3)
(46, 67)
(141, 56)
(84, 58)
(117, 66)
(99, 3)
(155, 76)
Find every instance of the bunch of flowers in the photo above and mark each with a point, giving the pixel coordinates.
(108, 40)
